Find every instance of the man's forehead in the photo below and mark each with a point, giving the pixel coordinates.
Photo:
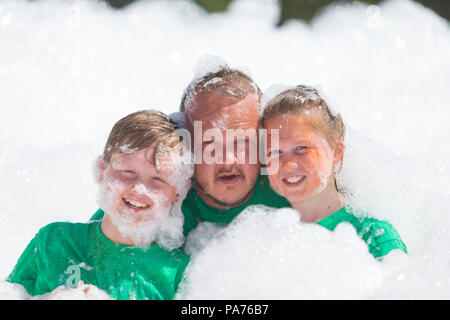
(216, 108)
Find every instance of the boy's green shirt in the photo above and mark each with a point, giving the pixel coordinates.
(63, 253)
(195, 210)
(379, 235)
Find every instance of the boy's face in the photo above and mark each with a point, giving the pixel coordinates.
(136, 191)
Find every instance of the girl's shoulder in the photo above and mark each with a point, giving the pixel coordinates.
(380, 235)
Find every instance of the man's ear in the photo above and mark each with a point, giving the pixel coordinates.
(99, 169)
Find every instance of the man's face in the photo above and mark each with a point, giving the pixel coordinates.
(227, 175)
(134, 191)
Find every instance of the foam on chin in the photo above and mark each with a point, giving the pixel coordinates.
(165, 226)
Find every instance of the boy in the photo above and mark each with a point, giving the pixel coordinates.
(130, 252)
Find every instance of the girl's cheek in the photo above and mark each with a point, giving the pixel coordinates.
(273, 168)
(320, 167)
(274, 180)
(310, 161)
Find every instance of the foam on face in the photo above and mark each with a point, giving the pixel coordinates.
(164, 226)
(396, 48)
(127, 150)
(179, 162)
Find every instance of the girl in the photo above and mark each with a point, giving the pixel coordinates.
(302, 165)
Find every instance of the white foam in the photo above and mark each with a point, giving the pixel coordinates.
(385, 66)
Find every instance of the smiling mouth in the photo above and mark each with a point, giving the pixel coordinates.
(135, 204)
(293, 181)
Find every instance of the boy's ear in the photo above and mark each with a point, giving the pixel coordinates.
(181, 197)
(99, 169)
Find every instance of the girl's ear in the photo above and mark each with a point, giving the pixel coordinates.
(99, 169)
(339, 152)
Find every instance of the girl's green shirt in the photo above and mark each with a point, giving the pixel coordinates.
(379, 235)
(64, 253)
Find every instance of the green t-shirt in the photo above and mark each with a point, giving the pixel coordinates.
(380, 236)
(63, 253)
(195, 210)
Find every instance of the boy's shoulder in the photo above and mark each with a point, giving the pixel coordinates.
(63, 230)
(56, 227)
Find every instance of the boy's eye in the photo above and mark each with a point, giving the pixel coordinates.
(158, 179)
(128, 173)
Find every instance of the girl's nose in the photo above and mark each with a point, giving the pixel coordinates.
(289, 165)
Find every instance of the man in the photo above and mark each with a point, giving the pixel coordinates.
(222, 102)
(223, 184)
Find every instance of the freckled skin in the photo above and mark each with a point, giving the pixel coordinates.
(304, 152)
(223, 113)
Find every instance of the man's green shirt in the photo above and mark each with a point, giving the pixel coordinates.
(195, 210)
(64, 253)
(380, 236)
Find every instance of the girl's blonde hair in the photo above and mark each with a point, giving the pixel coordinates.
(304, 100)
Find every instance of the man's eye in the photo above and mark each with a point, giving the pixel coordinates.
(205, 143)
(241, 141)
(274, 153)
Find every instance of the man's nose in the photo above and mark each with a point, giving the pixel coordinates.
(230, 156)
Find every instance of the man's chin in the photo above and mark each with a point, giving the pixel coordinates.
(232, 200)
(236, 195)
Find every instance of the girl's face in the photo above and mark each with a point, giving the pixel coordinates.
(302, 164)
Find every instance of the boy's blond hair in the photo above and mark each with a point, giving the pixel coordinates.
(140, 130)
